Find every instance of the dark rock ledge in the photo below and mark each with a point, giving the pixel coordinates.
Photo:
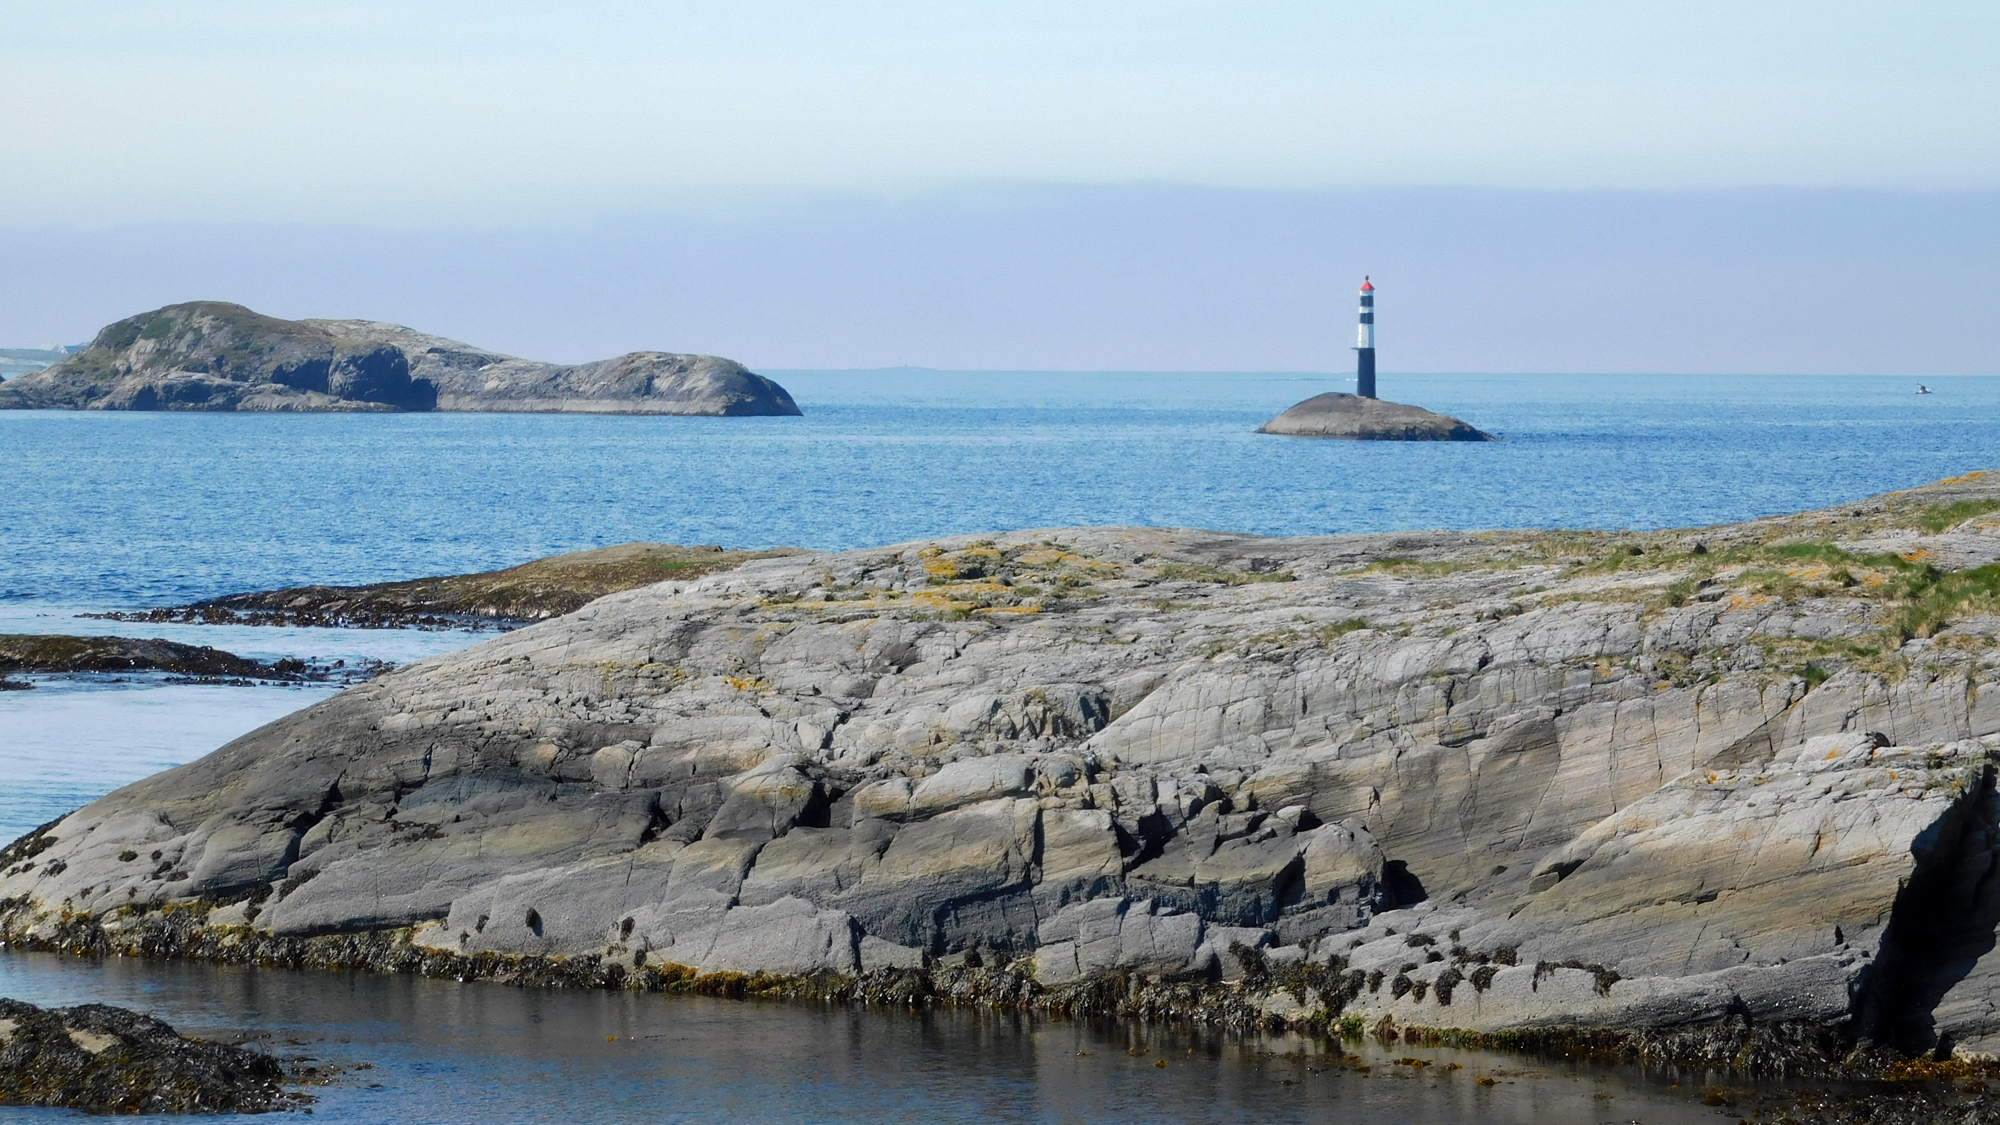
(45, 653)
(102, 1059)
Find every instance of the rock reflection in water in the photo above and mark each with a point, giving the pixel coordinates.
(444, 1052)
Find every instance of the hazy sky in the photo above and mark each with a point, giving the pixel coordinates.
(842, 172)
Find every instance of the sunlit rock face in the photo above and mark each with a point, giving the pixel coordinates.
(1494, 780)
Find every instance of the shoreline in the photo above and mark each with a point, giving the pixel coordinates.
(1305, 998)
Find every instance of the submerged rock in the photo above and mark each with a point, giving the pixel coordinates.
(1506, 783)
(1338, 415)
(101, 1059)
(210, 355)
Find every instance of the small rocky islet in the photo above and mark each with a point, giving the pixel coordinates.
(1347, 417)
(103, 1059)
(61, 653)
(216, 356)
(1719, 795)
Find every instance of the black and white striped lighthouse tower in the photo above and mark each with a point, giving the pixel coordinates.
(1364, 344)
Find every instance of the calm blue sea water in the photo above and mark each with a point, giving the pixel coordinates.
(102, 509)
(119, 510)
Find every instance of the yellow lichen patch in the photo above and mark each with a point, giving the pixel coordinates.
(1011, 609)
(746, 685)
(1055, 558)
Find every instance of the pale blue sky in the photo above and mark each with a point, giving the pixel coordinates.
(1168, 184)
(506, 112)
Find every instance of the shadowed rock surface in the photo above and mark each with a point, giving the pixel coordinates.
(516, 595)
(210, 355)
(1727, 786)
(1352, 417)
(101, 1059)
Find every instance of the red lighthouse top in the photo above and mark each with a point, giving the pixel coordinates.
(1365, 286)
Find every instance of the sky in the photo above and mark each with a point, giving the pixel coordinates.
(1631, 186)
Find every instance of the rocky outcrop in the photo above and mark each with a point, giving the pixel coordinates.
(101, 1059)
(516, 595)
(209, 355)
(22, 652)
(1502, 783)
(1354, 418)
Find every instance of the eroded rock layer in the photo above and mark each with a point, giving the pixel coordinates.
(1494, 781)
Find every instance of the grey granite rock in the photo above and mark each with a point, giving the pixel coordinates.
(1502, 780)
(209, 355)
(1354, 418)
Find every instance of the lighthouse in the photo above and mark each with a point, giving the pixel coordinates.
(1361, 416)
(1364, 343)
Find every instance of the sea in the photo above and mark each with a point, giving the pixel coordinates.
(119, 511)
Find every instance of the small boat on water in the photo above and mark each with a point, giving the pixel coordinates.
(1923, 390)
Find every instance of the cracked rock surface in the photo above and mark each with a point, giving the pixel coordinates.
(1497, 780)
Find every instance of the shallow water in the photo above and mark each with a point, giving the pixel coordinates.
(448, 1052)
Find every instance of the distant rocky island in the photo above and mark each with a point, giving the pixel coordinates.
(1365, 418)
(210, 355)
(1721, 796)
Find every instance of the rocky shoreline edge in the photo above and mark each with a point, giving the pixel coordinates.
(1304, 997)
(1824, 1075)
